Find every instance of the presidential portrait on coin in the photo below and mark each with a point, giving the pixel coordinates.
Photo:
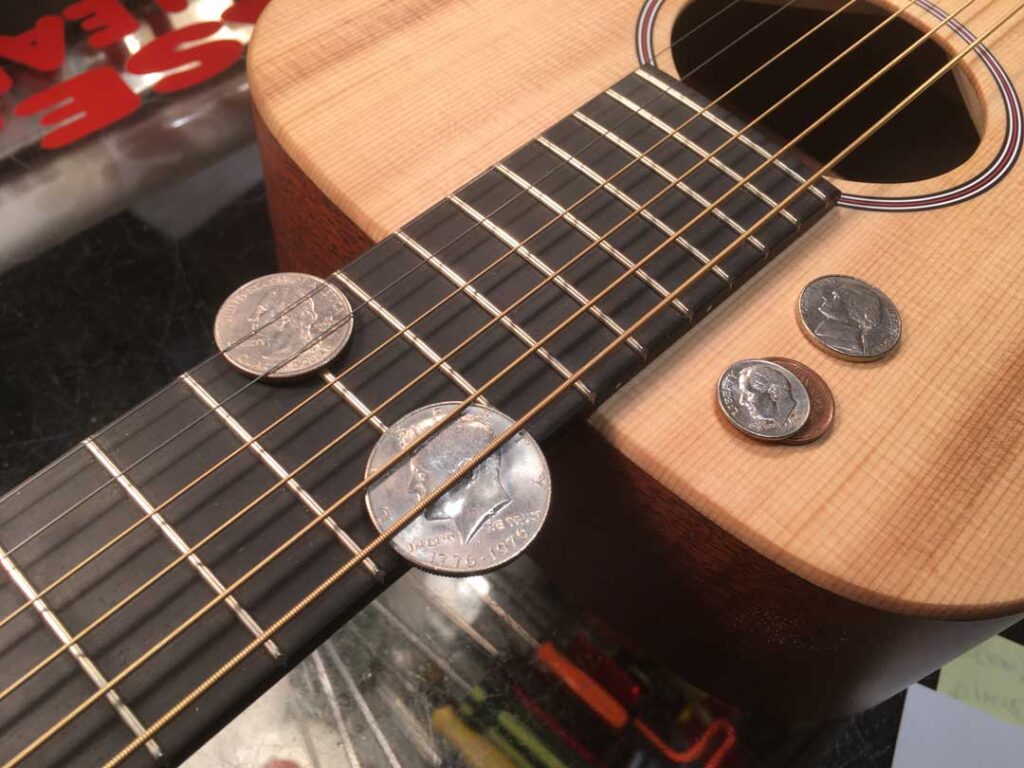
(766, 394)
(479, 496)
(283, 325)
(850, 317)
(279, 331)
(490, 514)
(763, 399)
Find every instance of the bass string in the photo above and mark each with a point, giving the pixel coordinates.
(520, 423)
(533, 412)
(142, 588)
(246, 444)
(338, 323)
(248, 507)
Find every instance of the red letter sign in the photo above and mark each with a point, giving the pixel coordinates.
(108, 20)
(41, 48)
(97, 97)
(167, 52)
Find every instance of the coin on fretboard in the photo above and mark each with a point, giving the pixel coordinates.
(849, 318)
(283, 326)
(488, 518)
(763, 399)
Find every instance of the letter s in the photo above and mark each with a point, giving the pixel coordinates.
(169, 52)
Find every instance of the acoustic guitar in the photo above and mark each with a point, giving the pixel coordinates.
(546, 208)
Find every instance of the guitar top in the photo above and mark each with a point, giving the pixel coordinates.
(913, 502)
(562, 221)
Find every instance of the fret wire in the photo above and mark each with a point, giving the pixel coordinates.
(463, 470)
(722, 96)
(414, 339)
(750, 76)
(172, 536)
(530, 292)
(96, 677)
(682, 98)
(693, 146)
(686, 189)
(801, 38)
(304, 497)
(599, 240)
(541, 266)
(644, 213)
(349, 397)
(521, 333)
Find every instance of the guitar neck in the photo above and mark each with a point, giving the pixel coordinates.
(187, 551)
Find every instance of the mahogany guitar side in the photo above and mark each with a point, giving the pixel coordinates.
(816, 581)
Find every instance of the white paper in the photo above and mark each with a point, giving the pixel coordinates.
(940, 732)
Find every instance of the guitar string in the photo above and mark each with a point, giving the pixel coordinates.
(520, 423)
(340, 322)
(398, 334)
(559, 390)
(252, 504)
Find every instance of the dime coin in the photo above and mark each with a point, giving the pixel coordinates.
(484, 521)
(763, 399)
(283, 326)
(823, 407)
(849, 318)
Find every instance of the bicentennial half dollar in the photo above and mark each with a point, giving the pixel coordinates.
(763, 399)
(849, 318)
(488, 518)
(283, 326)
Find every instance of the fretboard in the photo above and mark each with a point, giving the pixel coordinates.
(125, 472)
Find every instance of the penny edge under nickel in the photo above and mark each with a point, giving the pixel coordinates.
(822, 402)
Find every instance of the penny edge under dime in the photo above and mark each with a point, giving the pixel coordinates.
(754, 435)
(226, 348)
(431, 567)
(832, 350)
(822, 412)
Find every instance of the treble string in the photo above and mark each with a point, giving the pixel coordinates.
(390, 532)
(521, 423)
(398, 334)
(338, 439)
(336, 325)
(139, 590)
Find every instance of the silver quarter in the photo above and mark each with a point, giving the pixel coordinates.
(763, 399)
(849, 318)
(483, 522)
(298, 324)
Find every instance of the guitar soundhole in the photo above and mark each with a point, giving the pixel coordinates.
(933, 135)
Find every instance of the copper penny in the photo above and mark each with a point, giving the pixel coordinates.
(823, 406)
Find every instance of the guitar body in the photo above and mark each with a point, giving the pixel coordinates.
(814, 580)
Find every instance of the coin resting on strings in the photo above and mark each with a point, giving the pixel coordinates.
(763, 399)
(283, 326)
(849, 318)
(488, 518)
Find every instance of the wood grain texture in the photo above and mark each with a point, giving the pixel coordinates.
(671, 583)
(914, 502)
